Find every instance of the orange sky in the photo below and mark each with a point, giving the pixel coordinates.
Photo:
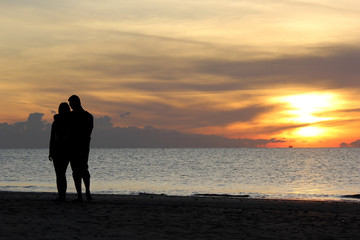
(242, 69)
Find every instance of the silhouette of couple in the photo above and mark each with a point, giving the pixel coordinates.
(70, 142)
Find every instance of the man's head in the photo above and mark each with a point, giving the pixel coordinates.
(75, 102)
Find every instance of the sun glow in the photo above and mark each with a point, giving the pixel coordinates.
(309, 109)
(304, 107)
(309, 131)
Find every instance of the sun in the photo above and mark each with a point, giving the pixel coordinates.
(309, 110)
(309, 131)
(305, 107)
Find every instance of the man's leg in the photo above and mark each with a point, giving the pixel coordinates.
(85, 174)
(86, 178)
(77, 178)
(77, 182)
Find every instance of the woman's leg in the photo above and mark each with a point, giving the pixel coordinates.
(60, 170)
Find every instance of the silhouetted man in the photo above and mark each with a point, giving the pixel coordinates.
(82, 124)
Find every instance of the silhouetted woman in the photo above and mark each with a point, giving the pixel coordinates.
(58, 150)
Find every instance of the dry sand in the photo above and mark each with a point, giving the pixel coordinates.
(35, 216)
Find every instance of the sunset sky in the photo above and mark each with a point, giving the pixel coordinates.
(254, 69)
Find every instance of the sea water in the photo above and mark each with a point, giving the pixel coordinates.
(296, 173)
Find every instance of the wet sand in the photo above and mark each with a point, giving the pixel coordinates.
(35, 216)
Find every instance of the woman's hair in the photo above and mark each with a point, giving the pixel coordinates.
(64, 108)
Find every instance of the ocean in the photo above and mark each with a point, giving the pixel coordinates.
(280, 173)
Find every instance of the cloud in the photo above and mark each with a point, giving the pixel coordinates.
(103, 122)
(326, 67)
(35, 133)
(337, 69)
(354, 144)
(195, 115)
(277, 129)
(125, 114)
(150, 137)
(120, 137)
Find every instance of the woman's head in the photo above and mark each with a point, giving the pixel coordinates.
(64, 108)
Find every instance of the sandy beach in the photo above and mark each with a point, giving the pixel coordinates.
(35, 216)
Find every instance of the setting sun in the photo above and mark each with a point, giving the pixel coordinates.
(309, 131)
(310, 116)
(305, 106)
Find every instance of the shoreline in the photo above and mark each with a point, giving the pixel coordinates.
(33, 215)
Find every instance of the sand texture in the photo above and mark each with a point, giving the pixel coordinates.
(35, 216)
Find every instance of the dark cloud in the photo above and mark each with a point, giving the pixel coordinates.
(221, 118)
(351, 110)
(354, 144)
(331, 67)
(339, 68)
(125, 114)
(192, 116)
(277, 129)
(103, 122)
(35, 133)
(150, 137)
(191, 113)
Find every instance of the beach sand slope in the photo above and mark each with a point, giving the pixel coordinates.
(35, 216)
